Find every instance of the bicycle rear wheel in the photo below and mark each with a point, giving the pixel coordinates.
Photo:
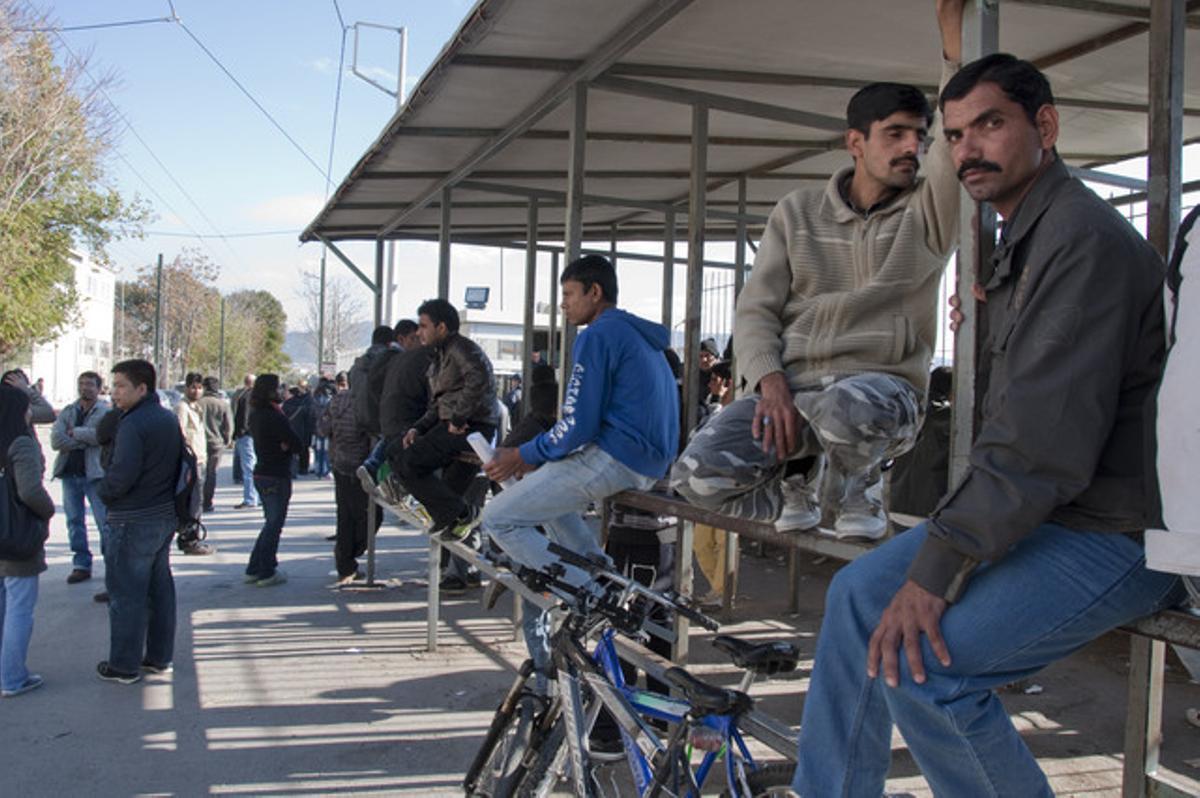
(769, 781)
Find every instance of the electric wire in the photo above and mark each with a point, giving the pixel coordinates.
(94, 26)
(178, 185)
(252, 99)
(258, 234)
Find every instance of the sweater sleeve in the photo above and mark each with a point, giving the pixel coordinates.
(43, 413)
(122, 474)
(28, 468)
(583, 404)
(939, 195)
(758, 344)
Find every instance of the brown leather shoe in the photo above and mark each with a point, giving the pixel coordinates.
(101, 597)
(78, 575)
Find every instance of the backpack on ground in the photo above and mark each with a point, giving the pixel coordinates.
(1178, 550)
(22, 532)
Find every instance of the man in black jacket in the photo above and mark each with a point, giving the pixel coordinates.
(139, 491)
(1038, 549)
(462, 401)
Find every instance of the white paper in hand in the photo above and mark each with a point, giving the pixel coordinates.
(485, 452)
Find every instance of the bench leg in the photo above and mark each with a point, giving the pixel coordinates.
(683, 585)
(729, 588)
(372, 510)
(1143, 725)
(433, 596)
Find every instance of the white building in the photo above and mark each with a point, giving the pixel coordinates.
(88, 346)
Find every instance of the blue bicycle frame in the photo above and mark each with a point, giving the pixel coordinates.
(662, 707)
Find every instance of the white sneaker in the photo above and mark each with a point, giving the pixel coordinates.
(800, 509)
(862, 516)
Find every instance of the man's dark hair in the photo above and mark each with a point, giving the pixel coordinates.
(593, 270)
(440, 311)
(722, 370)
(94, 377)
(139, 372)
(265, 390)
(212, 384)
(193, 378)
(878, 101)
(1021, 82)
(404, 327)
(382, 335)
(14, 372)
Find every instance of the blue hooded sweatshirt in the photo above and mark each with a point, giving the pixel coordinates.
(621, 396)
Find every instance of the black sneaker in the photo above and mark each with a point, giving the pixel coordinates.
(110, 675)
(452, 586)
(197, 548)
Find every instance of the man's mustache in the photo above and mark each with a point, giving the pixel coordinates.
(903, 159)
(977, 163)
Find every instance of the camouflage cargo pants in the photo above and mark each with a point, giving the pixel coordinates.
(852, 425)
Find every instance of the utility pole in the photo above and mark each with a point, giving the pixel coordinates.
(221, 355)
(158, 342)
(321, 317)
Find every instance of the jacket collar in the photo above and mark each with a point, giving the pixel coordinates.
(1026, 217)
(836, 201)
(151, 397)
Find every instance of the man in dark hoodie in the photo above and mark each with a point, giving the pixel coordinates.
(139, 491)
(618, 430)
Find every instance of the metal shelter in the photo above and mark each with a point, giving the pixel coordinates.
(686, 120)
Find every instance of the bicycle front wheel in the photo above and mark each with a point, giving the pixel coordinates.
(501, 772)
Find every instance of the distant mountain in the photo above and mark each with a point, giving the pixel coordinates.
(301, 347)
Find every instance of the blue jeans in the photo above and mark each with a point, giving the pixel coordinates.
(243, 450)
(74, 491)
(141, 592)
(377, 456)
(275, 492)
(18, 595)
(321, 456)
(1053, 593)
(555, 496)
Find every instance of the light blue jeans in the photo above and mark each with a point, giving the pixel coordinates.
(74, 491)
(555, 497)
(243, 450)
(1053, 593)
(18, 595)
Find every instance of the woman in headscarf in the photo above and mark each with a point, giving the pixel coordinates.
(275, 442)
(20, 456)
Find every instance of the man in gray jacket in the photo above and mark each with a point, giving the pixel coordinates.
(218, 434)
(1039, 548)
(78, 467)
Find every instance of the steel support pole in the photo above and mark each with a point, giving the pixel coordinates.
(695, 269)
(668, 280)
(379, 247)
(739, 246)
(574, 222)
(1164, 175)
(552, 346)
(389, 284)
(531, 253)
(977, 223)
(443, 285)
(321, 315)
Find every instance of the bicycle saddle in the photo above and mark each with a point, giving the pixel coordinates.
(765, 659)
(706, 698)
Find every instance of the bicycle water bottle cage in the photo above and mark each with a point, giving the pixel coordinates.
(763, 658)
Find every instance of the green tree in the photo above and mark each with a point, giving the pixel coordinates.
(54, 132)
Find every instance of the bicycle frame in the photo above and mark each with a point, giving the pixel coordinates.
(630, 707)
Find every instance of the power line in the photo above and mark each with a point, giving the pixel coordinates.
(95, 25)
(177, 234)
(252, 99)
(341, 20)
(337, 104)
(100, 88)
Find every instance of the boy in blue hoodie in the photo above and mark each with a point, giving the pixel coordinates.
(618, 430)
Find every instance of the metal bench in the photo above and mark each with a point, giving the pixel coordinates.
(1142, 777)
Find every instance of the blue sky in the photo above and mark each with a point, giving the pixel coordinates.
(242, 173)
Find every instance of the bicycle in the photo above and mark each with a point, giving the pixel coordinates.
(535, 740)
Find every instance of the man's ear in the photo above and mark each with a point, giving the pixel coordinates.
(855, 143)
(1046, 121)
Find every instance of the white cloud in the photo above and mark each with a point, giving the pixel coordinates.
(324, 65)
(292, 210)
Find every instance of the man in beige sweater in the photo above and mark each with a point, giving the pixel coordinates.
(835, 328)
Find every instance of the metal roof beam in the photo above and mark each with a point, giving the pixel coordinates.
(629, 36)
(349, 263)
(1097, 7)
(595, 174)
(608, 135)
(1105, 178)
(559, 196)
(720, 102)
(1113, 36)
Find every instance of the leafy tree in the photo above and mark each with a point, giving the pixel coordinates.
(343, 312)
(54, 132)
